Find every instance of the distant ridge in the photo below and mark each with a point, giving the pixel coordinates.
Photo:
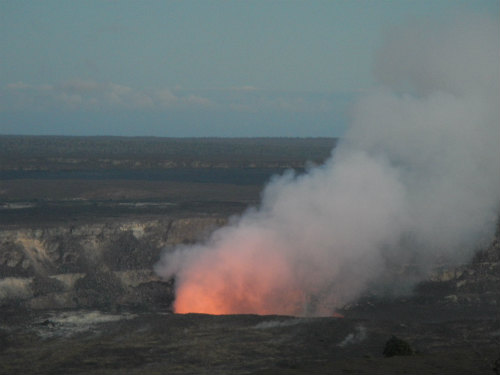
(111, 152)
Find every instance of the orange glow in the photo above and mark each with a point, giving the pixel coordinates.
(249, 280)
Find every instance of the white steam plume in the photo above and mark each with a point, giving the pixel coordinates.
(416, 179)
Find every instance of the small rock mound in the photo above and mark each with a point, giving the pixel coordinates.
(397, 347)
(98, 288)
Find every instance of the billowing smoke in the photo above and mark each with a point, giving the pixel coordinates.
(414, 181)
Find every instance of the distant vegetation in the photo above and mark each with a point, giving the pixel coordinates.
(85, 153)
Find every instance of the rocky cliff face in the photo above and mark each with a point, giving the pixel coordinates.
(109, 263)
(474, 283)
(102, 264)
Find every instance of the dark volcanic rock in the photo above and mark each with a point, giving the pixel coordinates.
(13, 260)
(4, 340)
(127, 252)
(99, 288)
(395, 347)
(103, 264)
(159, 294)
(42, 285)
(93, 342)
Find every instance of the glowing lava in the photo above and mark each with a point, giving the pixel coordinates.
(247, 279)
(414, 179)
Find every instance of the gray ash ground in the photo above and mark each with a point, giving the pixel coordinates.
(446, 340)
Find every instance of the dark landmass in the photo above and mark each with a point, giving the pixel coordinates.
(70, 178)
(84, 220)
(140, 153)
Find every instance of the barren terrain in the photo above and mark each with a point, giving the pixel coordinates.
(79, 237)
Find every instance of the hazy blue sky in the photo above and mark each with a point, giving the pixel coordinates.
(187, 68)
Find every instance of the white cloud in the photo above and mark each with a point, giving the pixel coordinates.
(198, 100)
(18, 86)
(91, 95)
(166, 98)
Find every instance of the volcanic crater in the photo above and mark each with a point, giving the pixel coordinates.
(78, 293)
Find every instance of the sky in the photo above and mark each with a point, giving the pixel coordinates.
(197, 68)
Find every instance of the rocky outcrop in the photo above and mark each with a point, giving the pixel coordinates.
(102, 264)
(473, 283)
(109, 263)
